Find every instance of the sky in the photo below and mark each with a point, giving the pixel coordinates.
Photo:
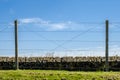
(59, 27)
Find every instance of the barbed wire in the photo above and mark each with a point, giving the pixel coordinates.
(65, 42)
(4, 29)
(77, 22)
(57, 40)
(76, 36)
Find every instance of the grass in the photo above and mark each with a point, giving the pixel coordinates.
(56, 75)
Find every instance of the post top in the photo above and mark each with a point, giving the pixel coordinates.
(16, 21)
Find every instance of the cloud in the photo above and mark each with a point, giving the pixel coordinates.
(33, 21)
(47, 25)
(68, 25)
(57, 26)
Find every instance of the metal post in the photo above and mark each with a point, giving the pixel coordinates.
(16, 45)
(107, 45)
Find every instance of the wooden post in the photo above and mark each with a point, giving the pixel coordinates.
(16, 45)
(107, 45)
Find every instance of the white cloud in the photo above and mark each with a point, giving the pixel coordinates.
(47, 25)
(69, 25)
(58, 26)
(32, 21)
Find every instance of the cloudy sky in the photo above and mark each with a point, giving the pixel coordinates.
(59, 27)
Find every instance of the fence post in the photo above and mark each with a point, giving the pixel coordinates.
(107, 45)
(16, 45)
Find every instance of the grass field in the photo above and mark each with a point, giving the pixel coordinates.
(56, 75)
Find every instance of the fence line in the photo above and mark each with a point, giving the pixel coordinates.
(66, 41)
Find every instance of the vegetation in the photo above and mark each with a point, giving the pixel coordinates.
(61, 63)
(56, 75)
(59, 59)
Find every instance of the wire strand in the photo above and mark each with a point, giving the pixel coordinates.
(4, 29)
(72, 38)
(44, 38)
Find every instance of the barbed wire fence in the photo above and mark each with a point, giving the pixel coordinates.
(60, 39)
(87, 40)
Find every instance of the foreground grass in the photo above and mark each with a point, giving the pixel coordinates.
(56, 75)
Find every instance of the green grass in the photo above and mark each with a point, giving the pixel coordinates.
(56, 75)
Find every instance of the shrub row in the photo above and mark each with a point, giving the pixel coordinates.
(59, 59)
(79, 66)
(64, 63)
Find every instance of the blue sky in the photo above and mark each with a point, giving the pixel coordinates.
(60, 10)
(69, 27)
